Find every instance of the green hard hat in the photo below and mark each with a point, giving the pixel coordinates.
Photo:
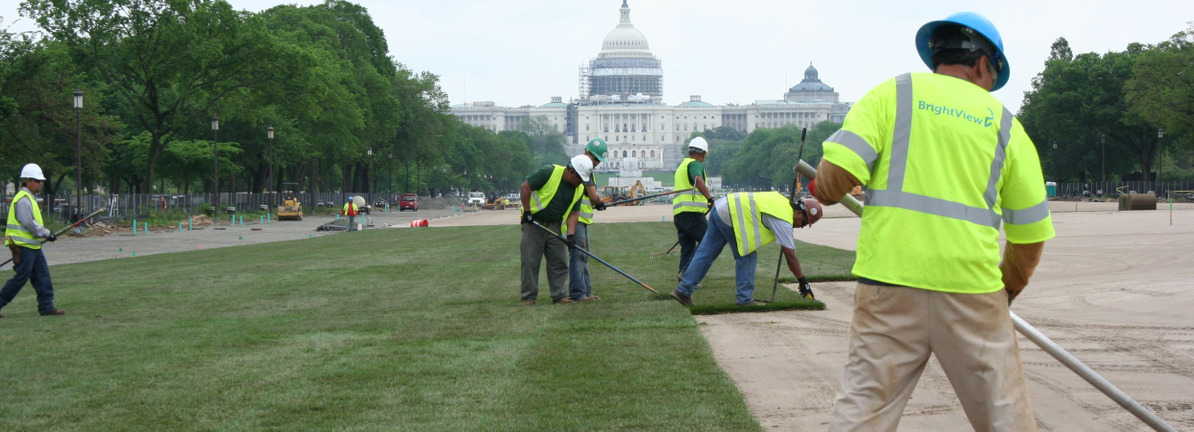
(597, 147)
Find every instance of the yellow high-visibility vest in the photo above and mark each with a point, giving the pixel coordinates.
(944, 163)
(691, 201)
(15, 231)
(541, 197)
(746, 210)
(585, 215)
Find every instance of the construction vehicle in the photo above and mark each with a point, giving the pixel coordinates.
(498, 203)
(619, 193)
(291, 208)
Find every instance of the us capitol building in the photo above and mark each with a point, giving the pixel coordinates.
(622, 102)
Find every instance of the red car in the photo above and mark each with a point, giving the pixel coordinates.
(409, 201)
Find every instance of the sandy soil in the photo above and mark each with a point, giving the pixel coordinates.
(1113, 289)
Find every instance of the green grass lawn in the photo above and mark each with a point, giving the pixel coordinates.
(399, 329)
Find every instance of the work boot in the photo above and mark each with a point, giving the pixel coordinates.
(753, 303)
(528, 302)
(53, 312)
(563, 300)
(680, 297)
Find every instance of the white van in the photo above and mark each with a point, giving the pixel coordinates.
(476, 199)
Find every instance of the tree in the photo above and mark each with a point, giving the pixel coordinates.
(1161, 89)
(170, 61)
(547, 142)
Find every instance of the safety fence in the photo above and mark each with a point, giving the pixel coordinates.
(1177, 190)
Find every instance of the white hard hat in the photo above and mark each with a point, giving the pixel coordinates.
(32, 171)
(698, 143)
(583, 166)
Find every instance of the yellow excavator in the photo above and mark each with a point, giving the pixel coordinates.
(615, 193)
(291, 208)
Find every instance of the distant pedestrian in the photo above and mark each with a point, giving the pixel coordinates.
(25, 227)
(350, 211)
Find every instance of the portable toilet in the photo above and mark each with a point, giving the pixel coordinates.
(1051, 189)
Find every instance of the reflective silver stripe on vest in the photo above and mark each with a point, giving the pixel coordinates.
(17, 227)
(694, 205)
(535, 202)
(1026, 216)
(755, 228)
(894, 195)
(583, 203)
(856, 144)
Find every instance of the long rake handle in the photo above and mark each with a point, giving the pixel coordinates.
(590, 254)
(1034, 335)
(77, 223)
(647, 197)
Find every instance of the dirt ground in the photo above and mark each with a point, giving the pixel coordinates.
(1113, 288)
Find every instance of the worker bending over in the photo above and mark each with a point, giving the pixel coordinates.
(750, 220)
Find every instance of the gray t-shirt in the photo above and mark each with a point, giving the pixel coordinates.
(779, 227)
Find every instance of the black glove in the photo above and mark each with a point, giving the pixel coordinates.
(527, 218)
(600, 206)
(52, 237)
(571, 241)
(806, 290)
(710, 204)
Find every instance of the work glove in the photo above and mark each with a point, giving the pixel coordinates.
(600, 206)
(710, 205)
(527, 218)
(571, 241)
(806, 290)
(52, 237)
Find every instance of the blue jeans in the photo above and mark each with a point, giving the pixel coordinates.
(716, 238)
(578, 266)
(33, 268)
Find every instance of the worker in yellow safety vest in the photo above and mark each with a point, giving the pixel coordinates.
(21, 235)
(350, 211)
(944, 163)
(580, 288)
(748, 220)
(689, 208)
(551, 197)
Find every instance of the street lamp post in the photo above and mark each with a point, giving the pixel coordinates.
(269, 178)
(1160, 155)
(215, 164)
(1103, 142)
(369, 175)
(79, 152)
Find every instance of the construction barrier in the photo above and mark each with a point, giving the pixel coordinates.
(418, 223)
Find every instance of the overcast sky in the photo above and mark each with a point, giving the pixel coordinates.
(518, 52)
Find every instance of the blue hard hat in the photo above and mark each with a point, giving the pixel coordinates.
(978, 24)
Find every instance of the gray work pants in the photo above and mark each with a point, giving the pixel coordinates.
(537, 245)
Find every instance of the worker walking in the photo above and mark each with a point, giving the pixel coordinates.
(579, 286)
(550, 196)
(25, 227)
(350, 211)
(944, 162)
(750, 220)
(689, 208)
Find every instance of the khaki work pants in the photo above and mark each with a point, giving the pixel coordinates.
(535, 246)
(895, 329)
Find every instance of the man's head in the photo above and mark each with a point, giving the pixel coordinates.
(966, 39)
(597, 150)
(808, 212)
(579, 170)
(33, 177)
(698, 148)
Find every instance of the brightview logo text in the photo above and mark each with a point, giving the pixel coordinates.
(987, 121)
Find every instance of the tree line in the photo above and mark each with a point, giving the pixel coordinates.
(158, 76)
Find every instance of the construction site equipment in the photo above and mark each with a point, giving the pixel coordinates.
(64, 230)
(622, 195)
(498, 203)
(291, 208)
(1042, 341)
(642, 198)
(590, 254)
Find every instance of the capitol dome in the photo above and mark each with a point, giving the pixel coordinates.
(811, 89)
(624, 67)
